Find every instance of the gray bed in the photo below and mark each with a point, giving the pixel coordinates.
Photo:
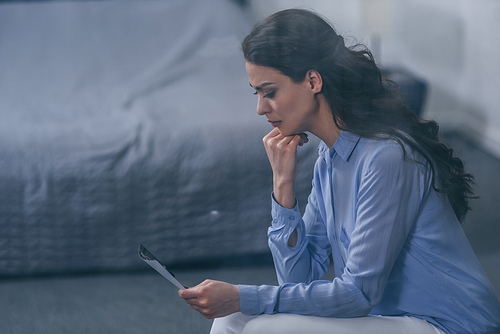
(127, 122)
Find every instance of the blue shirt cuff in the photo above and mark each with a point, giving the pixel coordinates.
(255, 300)
(283, 216)
(249, 299)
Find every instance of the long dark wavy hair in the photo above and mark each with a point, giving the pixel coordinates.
(294, 41)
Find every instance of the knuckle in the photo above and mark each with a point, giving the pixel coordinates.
(209, 314)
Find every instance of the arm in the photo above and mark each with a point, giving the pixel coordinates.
(217, 299)
(297, 257)
(387, 202)
(282, 154)
(308, 258)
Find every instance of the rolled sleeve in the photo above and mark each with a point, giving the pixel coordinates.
(249, 299)
(262, 299)
(283, 217)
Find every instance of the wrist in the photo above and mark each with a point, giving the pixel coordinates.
(236, 300)
(284, 195)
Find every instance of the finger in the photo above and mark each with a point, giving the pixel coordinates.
(275, 142)
(205, 282)
(194, 292)
(303, 138)
(293, 140)
(204, 312)
(188, 293)
(194, 302)
(273, 133)
(197, 308)
(190, 300)
(286, 141)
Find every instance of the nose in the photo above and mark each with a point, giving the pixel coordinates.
(263, 107)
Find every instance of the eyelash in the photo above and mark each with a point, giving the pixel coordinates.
(269, 95)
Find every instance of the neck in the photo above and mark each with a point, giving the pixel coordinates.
(324, 125)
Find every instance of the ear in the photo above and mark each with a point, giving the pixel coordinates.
(314, 80)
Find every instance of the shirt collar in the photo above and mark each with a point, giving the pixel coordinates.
(344, 146)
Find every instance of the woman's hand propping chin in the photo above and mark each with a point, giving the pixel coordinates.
(282, 153)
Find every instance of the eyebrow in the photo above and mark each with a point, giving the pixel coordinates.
(262, 85)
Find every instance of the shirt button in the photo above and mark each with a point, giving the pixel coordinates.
(292, 218)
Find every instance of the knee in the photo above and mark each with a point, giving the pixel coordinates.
(232, 324)
(259, 325)
(218, 326)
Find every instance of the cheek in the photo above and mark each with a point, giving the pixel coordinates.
(287, 105)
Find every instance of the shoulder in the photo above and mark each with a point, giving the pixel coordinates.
(390, 168)
(380, 151)
(389, 155)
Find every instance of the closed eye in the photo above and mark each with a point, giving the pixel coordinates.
(269, 95)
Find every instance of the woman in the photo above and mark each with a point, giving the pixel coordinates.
(386, 202)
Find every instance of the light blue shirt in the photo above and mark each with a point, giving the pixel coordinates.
(396, 244)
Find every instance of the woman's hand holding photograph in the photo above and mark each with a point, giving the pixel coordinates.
(213, 299)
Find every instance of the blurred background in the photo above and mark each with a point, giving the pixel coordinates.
(128, 122)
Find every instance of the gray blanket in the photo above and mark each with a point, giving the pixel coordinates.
(125, 122)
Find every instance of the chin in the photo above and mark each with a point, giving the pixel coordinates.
(286, 132)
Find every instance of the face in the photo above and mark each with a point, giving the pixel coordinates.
(287, 105)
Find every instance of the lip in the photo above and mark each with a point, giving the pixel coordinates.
(275, 123)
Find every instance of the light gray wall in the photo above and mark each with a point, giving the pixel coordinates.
(453, 44)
